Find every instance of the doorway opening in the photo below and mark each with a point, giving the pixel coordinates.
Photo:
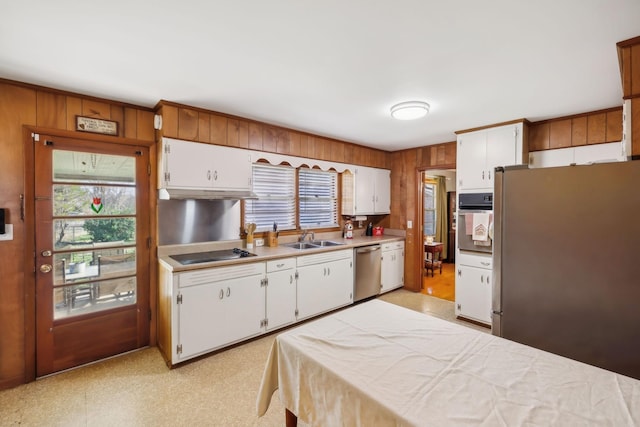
(438, 209)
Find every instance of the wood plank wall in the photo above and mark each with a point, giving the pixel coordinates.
(595, 127)
(629, 58)
(22, 104)
(405, 172)
(194, 124)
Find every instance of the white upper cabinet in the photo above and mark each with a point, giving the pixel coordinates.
(609, 152)
(367, 191)
(481, 151)
(193, 165)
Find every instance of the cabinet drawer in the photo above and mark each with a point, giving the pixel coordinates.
(392, 245)
(219, 274)
(478, 261)
(324, 257)
(281, 264)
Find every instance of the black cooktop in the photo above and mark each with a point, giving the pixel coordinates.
(211, 256)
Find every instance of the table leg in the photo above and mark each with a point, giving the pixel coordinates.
(291, 419)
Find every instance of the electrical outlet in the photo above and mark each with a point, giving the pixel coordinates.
(258, 242)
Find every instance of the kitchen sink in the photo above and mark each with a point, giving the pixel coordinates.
(325, 243)
(314, 244)
(301, 245)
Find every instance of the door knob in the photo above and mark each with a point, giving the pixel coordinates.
(45, 268)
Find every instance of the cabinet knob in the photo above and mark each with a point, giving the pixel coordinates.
(228, 292)
(221, 294)
(208, 175)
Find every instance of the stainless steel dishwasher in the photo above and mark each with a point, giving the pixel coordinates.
(367, 272)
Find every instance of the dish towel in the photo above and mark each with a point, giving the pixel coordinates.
(481, 227)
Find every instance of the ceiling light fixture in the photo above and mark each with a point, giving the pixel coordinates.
(409, 110)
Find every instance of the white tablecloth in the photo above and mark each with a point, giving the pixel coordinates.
(378, 364)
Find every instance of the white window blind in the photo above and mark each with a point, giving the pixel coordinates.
(318, 196)
(429, 202)
(276, 191)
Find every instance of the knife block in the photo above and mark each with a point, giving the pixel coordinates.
(272, 238)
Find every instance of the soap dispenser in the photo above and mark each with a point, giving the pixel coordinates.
(369, 230)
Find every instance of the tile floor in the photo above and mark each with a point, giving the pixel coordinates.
(137, 389)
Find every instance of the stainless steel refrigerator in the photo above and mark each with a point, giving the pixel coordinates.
(567, 261)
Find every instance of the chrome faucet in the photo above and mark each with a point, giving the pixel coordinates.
(304, 235)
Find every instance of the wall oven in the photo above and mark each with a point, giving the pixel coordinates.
(468, 205)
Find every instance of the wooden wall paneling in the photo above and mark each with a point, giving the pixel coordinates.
(255, 136)
(614, 126)
(294, 143)
(204, 127)
(51, 110)
(596, 128)
(130, 123)
(269, 139)
(359, 155)
(560, 134)
(304, 145)
(233, 133)
(97, 109)
(117, 115)
(320, 151)
(450, 152)
(283, 141)
(243, 134)
(635, 69)
(578, 131)
(336, 149)
(144, 125)
(539, 137)
(218, 129)
(74, 108)
(348, 153)
(18, 106)
(635, 126)
(187, 124)
(423, 156)
(170, 121)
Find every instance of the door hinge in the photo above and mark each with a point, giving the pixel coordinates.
(264, 282)
(149, 169)
(167, 176)
(297, 312)
(179, 299)
(264, 323)
(148, 242)
(150, 314)
(296, 276)
(179, 349)
(167, 148)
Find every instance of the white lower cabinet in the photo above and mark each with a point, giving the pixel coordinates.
(474, 287)
(281, 293)
(392, 268)
(325, 282)
(216, 307)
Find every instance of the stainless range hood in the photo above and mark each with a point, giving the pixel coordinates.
(181, 194)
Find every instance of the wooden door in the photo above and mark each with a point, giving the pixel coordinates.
(92, 255)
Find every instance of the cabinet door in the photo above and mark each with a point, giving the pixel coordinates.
(216, 314)
(471, 160)
(188, 165)
(364, 190)
(501, 150)
(324, 287)
(281, 298)
(382, 201)
(230, 168)
(473, 293)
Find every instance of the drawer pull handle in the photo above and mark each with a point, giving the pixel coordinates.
(221, 293)
(485, 263)
(280, 265)
(228, 292)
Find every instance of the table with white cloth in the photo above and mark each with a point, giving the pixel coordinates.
(379, 364)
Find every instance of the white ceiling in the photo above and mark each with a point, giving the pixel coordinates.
(330, 67)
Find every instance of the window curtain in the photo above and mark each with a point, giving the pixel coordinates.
(442, 226)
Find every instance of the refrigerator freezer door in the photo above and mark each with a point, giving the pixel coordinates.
(568, 262)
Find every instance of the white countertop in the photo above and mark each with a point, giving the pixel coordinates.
(263, 253)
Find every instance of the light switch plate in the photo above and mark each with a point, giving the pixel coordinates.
(258, 242)
(409, 224)
(8, 232)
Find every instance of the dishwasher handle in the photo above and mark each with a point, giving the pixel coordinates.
(367, 249)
